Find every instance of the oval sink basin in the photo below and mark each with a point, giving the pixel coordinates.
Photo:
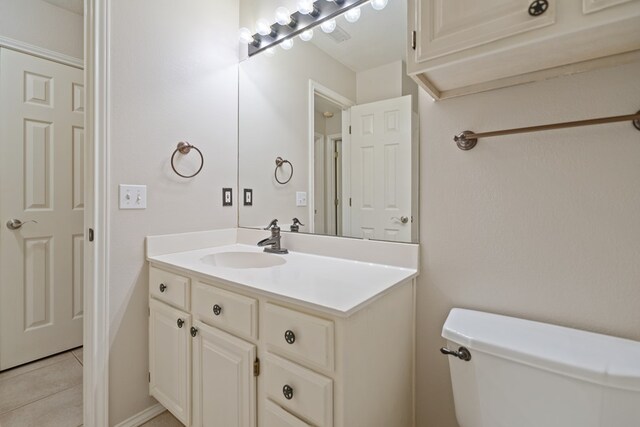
(243, 260)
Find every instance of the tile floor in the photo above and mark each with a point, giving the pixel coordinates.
(163, 420)
(45, 393)
(48, 393)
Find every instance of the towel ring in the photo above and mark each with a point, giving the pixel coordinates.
(185, 148)
(279, 162)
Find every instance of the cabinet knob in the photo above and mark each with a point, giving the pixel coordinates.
(194, 331)
(538, 7)
(163, 287)
(180, 322)
(287, 391)
(289, 336)
(217, 310)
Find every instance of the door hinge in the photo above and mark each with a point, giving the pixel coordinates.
(414, 37)
(91, 234)
(149, 376)
(337, 202)
(256, 367)
(335, 154)
(349, 129)
(349, 201)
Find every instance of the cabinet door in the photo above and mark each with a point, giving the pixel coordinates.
(275, 416)
(447, 26)
(224, 387)
(170, 359)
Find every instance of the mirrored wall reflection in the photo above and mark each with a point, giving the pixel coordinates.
(341, 111)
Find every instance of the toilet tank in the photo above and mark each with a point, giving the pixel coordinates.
(530, 374)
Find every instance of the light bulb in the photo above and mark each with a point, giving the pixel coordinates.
(287, 44)
(269, 52)
(328, 26)
(283, 16)
(306, 7)
(379, 4)
(263, 27)
(246, 36)
(352, 15)
(306, 35)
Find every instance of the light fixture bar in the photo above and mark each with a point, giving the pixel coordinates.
(326, 10)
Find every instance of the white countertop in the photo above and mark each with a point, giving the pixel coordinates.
(334, 285)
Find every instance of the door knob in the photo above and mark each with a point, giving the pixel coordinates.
(402, 219)
(15, 224)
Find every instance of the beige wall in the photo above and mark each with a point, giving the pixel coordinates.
(173, 77)
(542, 226)
(42, 24)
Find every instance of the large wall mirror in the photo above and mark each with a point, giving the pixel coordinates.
(328, 127)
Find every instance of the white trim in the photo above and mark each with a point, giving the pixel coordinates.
(142, 417)
(344, 103)
(96, 301)
(331, 219)
(41, 52)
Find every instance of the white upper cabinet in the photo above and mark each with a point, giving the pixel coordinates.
(468, 46)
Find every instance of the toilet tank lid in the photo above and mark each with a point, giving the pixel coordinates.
(596, 358)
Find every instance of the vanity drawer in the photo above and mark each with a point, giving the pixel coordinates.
(275, 416)
(226, 310)
(169, 287)
(299, 390)
(299, 336)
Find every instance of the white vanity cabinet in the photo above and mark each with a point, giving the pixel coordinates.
(466, 46)
(246, 358)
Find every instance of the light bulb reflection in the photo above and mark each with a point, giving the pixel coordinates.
(283, 16)
(246, 36)
(328, 26)
(287, 44)
(352, 15)
(379, 4)
(306, 35)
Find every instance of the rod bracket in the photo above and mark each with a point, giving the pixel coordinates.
(636, 122)
(464, 142)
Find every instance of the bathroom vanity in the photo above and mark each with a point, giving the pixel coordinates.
(238, 337)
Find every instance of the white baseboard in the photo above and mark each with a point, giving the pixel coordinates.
(142, 417)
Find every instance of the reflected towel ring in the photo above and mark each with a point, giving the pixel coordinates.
(185, 148)
(279, 162)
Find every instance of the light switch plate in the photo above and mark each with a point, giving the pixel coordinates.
(301, 198)
(133, 196)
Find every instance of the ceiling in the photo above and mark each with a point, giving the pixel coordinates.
(378, 38)
(75, 6)
(323, 105)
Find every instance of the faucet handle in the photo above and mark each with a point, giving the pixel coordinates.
(296, 221)
(272, 224)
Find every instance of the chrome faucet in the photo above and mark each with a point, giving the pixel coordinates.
(273, 242)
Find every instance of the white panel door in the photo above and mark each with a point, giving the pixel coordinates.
(170, 359)
(42, 179)
(381, 170)
(224, 387)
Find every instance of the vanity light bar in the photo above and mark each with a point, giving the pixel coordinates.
(325, 11)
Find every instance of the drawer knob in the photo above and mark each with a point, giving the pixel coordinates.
(194, 331)
(217, 310)
(163, 287)
(287, 390)
(538, 7)
(180, 322)
(289, 336)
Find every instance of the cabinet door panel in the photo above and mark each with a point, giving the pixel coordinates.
(275, 416)
(448, 26)
(224, 393)
(170, 359)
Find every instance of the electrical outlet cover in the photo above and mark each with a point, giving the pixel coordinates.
(248, 197)
(227, 197)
